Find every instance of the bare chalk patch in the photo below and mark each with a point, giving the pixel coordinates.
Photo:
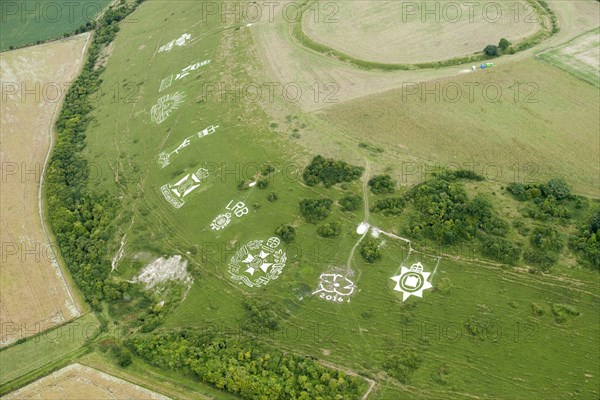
(164, 270)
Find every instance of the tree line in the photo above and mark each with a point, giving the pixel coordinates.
(81, 217)
(250, 369)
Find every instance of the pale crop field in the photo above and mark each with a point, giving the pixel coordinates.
(580, 57)
(325, 81)
(78, 381)
(413, 32)
(34, 295)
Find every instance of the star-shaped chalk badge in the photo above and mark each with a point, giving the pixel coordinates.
(412, 282)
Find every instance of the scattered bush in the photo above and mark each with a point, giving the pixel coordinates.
(382, 184)
(477, 328)
(268, 168)
(124, 358)
(287, 233)
(374, 149)
(350, 203)
(243, 185)
(537, 309)
(504, 44)
(500, 249)
(315, 210)
(491, 50)
(117, 352)
(262, 183)
(391, 206)
(273, 197)
(443, 286)
(561, 312)
(330, 172)
(587, 243)
(403, 363)
(441, 376)
(330, 229)
(546, 246)
(370, 250)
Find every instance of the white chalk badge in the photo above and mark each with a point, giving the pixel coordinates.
(177, 192)
(258, 262)
(412, 281)
(164, 158)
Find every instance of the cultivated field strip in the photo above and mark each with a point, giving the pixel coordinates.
(400, 32)
(34, 293)
(79, 381)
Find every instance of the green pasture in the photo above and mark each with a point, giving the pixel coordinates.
(520, 354)
(42, 353)
(25, 22)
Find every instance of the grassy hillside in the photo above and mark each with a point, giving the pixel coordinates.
(485, 329)
(484, 347)
(523, 122)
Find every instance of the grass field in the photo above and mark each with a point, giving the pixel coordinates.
(522, 354)
(22, 362)
(33, 292)
(78, 381)
(395, 32)
(580, 57)
(169, 383)
(27, 22)
(173, 139)
(515, 131)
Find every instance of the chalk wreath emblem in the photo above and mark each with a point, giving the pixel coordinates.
(220, 222)
(165, 105)
(257, 263)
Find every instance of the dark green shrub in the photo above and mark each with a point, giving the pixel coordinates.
(330, 172)
(350, 203)
(370, 250)
(491, 50)
(500, 249)
(382, 184)
(587, 242)
(391, 206)
(315, 210)
(402, 363)
(287, 233)
(330, 229)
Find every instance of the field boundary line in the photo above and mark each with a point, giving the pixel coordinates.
(55, 259)
(545, 32)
